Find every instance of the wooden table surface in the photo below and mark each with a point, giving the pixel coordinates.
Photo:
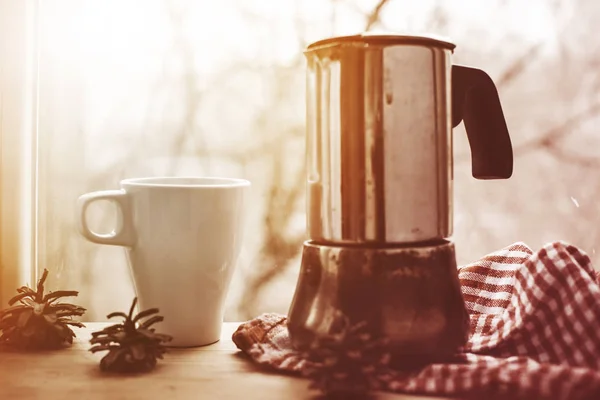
(218, 371)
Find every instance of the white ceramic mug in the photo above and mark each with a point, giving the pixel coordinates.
(182, 236)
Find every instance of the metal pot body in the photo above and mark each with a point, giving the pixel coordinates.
(379, 141)
(409, 295)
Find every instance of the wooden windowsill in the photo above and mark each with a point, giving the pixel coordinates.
(218, 371)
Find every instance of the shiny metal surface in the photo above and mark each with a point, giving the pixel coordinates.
(410, 295)
(379, 144)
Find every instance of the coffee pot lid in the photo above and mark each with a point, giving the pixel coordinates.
(383, 39)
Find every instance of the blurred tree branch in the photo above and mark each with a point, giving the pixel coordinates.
(518, 66)
(551, 139)
(576, 159)
(374, 16)
(279, 247)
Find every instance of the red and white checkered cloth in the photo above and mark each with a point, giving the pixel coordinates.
(534, 331)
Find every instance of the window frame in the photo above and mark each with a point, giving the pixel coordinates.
(18, 144)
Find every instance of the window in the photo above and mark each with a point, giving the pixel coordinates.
(95, 91)
(18, 116)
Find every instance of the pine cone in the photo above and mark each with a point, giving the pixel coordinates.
(132, 345)
(38, 321)
(346, 364)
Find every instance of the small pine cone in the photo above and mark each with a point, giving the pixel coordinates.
(132, 345)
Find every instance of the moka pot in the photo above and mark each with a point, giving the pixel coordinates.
(380, 113)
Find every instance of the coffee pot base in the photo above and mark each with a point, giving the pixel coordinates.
(408, 295)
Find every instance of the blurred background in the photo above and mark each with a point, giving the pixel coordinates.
(163, 87)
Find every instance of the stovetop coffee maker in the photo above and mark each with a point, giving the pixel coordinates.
(380, 113)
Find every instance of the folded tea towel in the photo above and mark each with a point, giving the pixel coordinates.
(534, 332)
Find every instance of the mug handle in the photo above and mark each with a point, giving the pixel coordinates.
(124, 234)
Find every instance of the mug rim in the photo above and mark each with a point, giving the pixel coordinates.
(179, 182)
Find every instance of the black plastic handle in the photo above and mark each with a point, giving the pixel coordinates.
(475, 101)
